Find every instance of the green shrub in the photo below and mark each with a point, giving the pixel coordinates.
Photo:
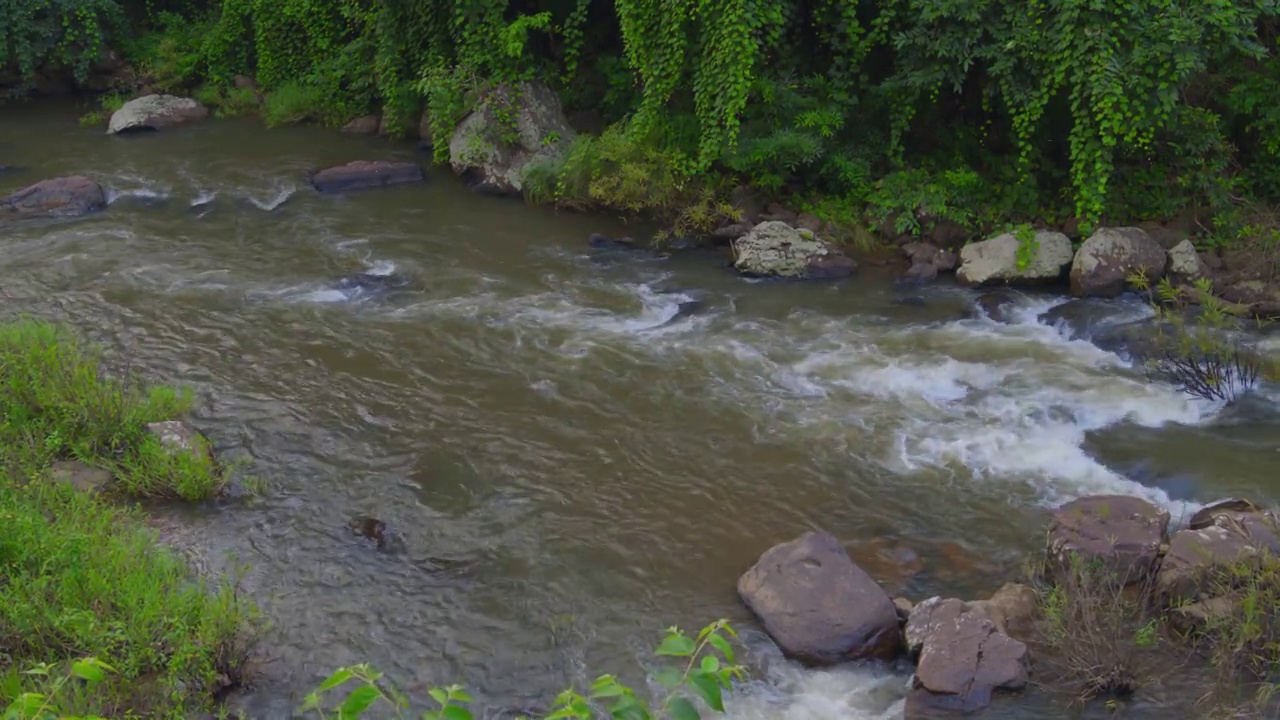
(227, 101)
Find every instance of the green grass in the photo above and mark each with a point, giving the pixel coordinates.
(227, 101)
(81, 576)
(294, 103)
(56, 402)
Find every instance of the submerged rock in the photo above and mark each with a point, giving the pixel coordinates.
(996, 305)
(513, 127)
(1121, 534)
(818, 606)
(963, 657)
(58, 197)
(365, 174)
(996, 260)
(604, 242)
(775, 249)
(1105, 261)
(82, 477)
(156, 112)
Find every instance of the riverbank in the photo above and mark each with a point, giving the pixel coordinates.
(83, 577)
(528, 552)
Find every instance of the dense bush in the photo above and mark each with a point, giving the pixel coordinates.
(1056, 109)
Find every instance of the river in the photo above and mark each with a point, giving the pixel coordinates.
(568, 466)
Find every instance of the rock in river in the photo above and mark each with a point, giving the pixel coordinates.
(59, 197)
(177, 437)
(997, 260)
(513, 127)
(963, 657)
(775, 249)
(365, 174)
(1220, 535)
(156, 112)
(1121, 533)
(1105, 261)
(818, 606)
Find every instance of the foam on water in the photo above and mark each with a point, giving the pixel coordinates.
(788, 691)
(276, 197)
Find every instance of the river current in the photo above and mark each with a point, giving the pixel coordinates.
(569, 463)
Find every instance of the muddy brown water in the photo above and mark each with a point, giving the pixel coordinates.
(567, 466)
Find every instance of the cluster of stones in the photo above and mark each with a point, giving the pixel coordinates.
(821, 608)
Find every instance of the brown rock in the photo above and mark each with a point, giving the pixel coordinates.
(1121, 532)
(949, 235)
(904, 607)
(731, 232)
(962, 656)
(748, 202)
(818, 606)
(1012, 609)
(809, 222)
(1219, 537)
(890, 563)
(1256, 296)
(85, 478)
(1205, 516)
(927, 260)
(364, 125)
(365, 174)
(59, 197)
(776, 211)
(242, 82)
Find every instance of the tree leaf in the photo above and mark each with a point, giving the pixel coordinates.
(87, 670)
(456, 712)
(682, 709)
(709, 690)
(338, 677)
(358, 701)
(676, 645)
(726, 649)
(668, 677)
(710, 664)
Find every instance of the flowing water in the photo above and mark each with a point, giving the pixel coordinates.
(568, 462)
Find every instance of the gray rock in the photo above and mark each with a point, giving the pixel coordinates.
(775, 249)
(363, 125)
(1105, 261)
(156, 112)
(485, 150)
(1121, 533)
(85, 478)
(1184, 263)
(58, 197)
(366, 174)
(732, 231)
(963, 657)
(818, 606)
(1012, 609)
(996, 260)
(178, 437)
(1254, 296)
(997, 305)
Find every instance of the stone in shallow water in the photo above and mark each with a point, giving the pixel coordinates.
(57, 197)
(818, 606)
(963, 657)
(363, 174)
(1121, 533)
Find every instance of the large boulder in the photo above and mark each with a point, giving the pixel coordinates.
(996, 260)
(963, 657)
(156, 112)
(365, 174)
(513, 127)
(818, 606)
(775, 249)
(1219, 536)
(1115, 533)
(1105, 261)
(59, 197)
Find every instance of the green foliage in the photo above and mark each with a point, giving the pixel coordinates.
(1028, 246)
(1243, 637)
(56, 34)
(227, 101)
(37, 705)
(57, 403)
(704, 668)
